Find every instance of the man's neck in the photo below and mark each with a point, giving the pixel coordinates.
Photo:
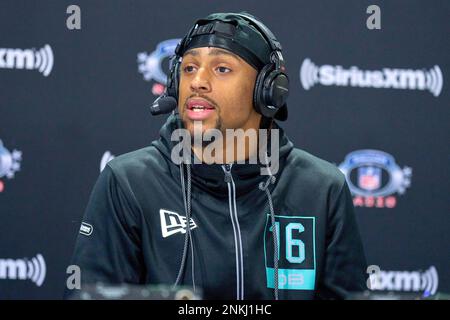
(231, 149)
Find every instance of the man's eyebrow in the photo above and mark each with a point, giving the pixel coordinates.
(213, 52)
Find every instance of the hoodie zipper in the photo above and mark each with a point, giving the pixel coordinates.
(236, 230)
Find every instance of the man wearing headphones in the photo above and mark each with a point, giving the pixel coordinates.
(221, 224)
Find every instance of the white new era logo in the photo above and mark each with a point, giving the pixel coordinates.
(172, 222)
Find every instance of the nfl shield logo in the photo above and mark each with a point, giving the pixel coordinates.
(369, 178)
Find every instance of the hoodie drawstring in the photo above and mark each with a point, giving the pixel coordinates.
(187, 211)
(188, 237)
(264, 186)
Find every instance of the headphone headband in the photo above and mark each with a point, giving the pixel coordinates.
(270, 37)
(199, 27)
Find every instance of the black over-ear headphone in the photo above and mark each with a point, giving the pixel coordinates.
(272, 83)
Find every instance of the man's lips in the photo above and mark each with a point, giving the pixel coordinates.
(198, 104)
(198, 109)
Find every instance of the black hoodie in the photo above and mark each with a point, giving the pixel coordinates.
(134, 228)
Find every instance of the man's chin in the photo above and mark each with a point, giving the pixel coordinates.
(199, 126)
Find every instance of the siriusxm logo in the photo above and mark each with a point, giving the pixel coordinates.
(29, 59)
(150, 64)
(328, 75)
(374, 177)
(23, 269)
(407, 281)
(9, 163)
(172, 222)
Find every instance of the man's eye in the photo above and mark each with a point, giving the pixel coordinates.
(188, 69)
(223, 69)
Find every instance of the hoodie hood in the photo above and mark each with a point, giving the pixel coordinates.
(210, 177)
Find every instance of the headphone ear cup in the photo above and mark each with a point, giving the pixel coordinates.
(276, 89)
(258, 92)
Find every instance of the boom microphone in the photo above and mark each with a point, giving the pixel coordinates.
(164, 104)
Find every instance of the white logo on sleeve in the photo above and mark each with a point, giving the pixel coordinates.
(86, 229)
(172, 222)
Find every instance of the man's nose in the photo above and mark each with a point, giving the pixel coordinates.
(201, 81)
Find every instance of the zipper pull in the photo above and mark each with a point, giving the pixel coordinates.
(227, 169)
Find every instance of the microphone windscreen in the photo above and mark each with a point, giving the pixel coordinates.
(162, 105)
